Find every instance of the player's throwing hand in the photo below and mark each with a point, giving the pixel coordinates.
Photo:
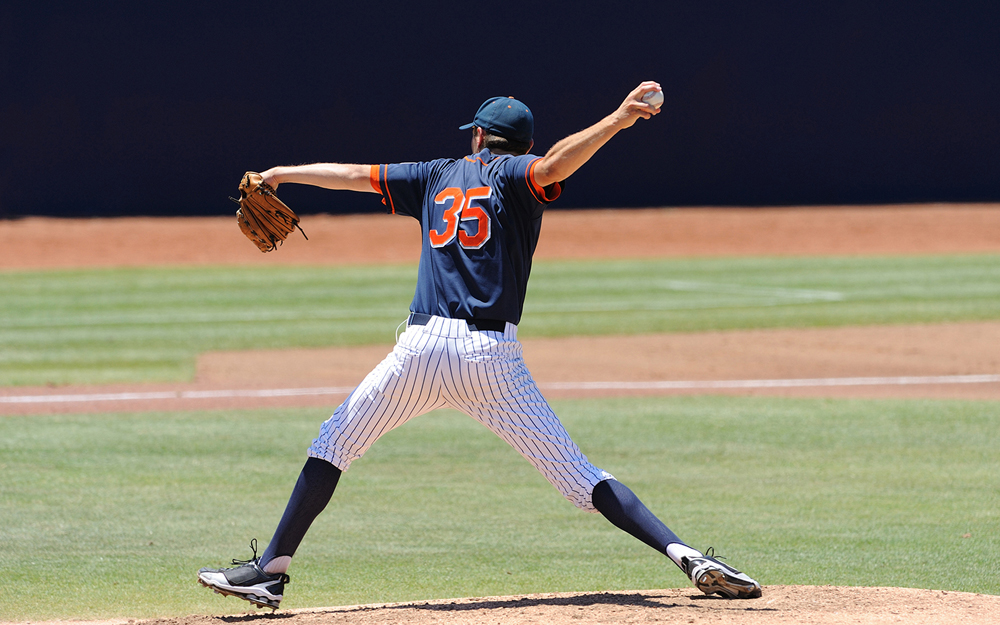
(636, 105)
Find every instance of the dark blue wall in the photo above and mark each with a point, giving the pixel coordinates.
(158, 108)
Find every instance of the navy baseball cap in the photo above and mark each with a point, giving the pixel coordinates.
(504, 117)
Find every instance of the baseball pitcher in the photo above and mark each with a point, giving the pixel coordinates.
(480, 218)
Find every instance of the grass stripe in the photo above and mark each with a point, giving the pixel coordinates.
(149, 324)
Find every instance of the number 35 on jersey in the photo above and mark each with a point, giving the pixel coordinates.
(463, 209)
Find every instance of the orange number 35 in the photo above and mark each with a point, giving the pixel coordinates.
(461, 209)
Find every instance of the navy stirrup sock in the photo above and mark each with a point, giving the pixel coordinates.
(312, 492)
(619, 505)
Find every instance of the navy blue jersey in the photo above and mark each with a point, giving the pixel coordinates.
(480, 218)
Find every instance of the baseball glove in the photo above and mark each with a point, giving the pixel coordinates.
(262, 217)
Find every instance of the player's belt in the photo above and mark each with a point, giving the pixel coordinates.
(476, 325)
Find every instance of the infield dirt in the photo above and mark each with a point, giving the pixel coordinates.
(934, 349)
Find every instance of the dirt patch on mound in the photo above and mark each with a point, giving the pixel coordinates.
(779, 604)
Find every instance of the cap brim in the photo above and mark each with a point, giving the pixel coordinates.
(467, 126)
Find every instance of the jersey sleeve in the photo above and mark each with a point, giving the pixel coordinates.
(522, 170)
(402, 186)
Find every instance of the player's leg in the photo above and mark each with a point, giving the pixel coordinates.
(500, 394)
(400, 388)
(491, 383)
(552, 454)
(624, 510)
(313, 490)
(506, 399)
(390, 395)
(262, 580)
(345, 437)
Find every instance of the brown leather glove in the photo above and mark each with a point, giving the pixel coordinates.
(262, 217)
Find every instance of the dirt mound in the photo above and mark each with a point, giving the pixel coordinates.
(780, 604)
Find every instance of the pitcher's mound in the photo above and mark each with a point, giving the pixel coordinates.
(780, 604)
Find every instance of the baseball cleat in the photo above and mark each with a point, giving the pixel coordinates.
(247, 581)
(714, 577)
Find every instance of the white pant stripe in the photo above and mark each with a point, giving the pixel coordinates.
(480, 373)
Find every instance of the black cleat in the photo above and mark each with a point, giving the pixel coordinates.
(713, 577)
(247, 581)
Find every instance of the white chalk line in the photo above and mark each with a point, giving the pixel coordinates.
(94, 397)
(790, 383)
(562, 386)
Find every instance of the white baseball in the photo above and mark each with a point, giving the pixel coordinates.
(653, 97)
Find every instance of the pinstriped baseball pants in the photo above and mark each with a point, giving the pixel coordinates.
(445, 364)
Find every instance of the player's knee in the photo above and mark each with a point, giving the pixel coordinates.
(580, 491)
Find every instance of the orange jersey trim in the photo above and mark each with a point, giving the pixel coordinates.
(538, 191)
(476, 160)
(376, 177)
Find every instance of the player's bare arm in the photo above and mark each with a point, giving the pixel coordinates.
(337, 176)
(568, 155)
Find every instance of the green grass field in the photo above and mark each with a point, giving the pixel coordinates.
(112, 515)
(97, 326)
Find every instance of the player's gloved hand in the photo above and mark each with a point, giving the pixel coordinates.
(262, 217)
